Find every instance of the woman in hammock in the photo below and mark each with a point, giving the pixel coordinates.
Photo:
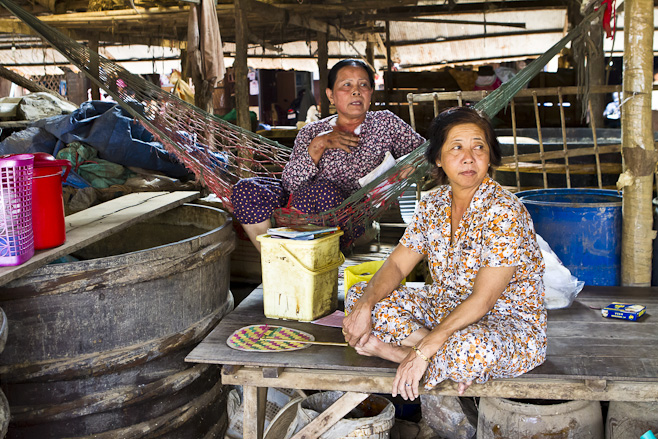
(329, 155)
(483, 316)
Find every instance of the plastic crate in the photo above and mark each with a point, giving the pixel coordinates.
(16, 235)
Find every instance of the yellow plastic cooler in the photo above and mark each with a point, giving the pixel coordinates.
(300, 278)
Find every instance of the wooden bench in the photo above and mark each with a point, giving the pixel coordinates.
(589, 358)
(98, 222)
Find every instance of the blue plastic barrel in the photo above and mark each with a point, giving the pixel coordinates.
(583, 227)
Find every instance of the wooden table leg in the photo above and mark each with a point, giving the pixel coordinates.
(330, 416)
(253, 416)
(262, 400)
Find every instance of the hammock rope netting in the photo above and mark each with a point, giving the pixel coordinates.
(220, 153)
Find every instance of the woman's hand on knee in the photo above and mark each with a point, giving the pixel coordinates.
(408, 376)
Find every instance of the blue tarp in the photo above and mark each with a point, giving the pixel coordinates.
(106, 127)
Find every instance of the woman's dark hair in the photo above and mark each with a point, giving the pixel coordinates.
(349, 63)
(441, 126)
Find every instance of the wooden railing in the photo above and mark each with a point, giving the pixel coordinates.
(527, 163)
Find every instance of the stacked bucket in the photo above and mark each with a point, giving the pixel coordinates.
(16, 234)
(32, 214)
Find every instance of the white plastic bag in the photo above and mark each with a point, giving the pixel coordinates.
(388, 163)
(561, 286)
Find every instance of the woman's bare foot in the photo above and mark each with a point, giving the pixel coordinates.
(461, 387)
(374, 347)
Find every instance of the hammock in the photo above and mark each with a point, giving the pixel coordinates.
(220, 153)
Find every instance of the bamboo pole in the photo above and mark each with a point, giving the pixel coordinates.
(525, 93)
(516, 147)
(541, 141)
(436, 104)
(551, 155)
(596, 144)
(412, 116)
(637, 144)
(563, 125)
(558, 168)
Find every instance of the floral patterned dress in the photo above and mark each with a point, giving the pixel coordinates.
(495, 231)
(381, 131)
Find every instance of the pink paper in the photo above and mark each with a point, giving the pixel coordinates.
(334, 319)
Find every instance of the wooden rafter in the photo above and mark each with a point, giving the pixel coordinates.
(281, 15)
(464, 8)
(13, 26)
(275, 22)
(473, 37)
(140, 22)
(26, 83)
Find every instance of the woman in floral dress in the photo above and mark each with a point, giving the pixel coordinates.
(483, 316)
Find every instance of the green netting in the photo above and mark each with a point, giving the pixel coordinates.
(220, 153)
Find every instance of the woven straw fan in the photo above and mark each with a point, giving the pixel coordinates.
(267, 338)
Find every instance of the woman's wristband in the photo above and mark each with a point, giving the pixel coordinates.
(420, 354)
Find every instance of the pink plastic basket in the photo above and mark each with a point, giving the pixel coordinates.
(16, 236)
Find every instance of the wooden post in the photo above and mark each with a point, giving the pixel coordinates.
(637, 144)
(184, 68)
(370, 53)
(596, 73)
(240, 65)
(93, 67)
(202, 94)
(323, 60)
(388, 77)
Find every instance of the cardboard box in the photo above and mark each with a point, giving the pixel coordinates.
(626, 311)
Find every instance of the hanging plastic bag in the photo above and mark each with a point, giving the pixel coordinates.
(561, 286)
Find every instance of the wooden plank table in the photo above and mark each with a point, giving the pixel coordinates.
(589, 358)
(97, 222)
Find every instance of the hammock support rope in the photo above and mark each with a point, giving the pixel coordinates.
(220, 153)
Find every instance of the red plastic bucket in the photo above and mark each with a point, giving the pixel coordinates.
(47, 201)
